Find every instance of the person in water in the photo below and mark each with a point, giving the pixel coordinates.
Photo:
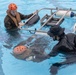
(34, 51)
(13, 17)
(66, 46)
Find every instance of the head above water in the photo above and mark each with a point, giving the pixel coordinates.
(21, 52)
(12, 8)
(56, 32)
(19, 49)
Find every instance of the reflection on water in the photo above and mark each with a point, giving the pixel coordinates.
(70, 59)
(13, 36)
(37, 46)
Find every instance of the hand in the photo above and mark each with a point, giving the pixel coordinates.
(21, 24)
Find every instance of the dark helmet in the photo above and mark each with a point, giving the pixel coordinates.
(56, 31)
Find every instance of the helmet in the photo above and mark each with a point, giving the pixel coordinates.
(12, 6)
(19, 49)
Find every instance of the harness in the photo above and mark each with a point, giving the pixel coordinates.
(16, 19)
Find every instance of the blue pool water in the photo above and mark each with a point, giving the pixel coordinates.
(9, 65)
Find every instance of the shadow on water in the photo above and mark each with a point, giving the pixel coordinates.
(37, 46)
(69, 60)
(12, 38)
(1, 70)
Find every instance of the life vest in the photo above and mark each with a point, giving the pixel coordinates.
(16, 19)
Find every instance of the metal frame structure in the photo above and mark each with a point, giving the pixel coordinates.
(53, 12)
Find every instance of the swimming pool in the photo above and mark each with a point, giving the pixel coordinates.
(12, 66)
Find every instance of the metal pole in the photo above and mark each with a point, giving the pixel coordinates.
(57, 8)
(36, 13)
(48, 20)
(62, 17)
(46, 9)
(33, 30)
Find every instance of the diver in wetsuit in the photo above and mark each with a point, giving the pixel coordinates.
(13, 18)
(32, 49)
(66, 46)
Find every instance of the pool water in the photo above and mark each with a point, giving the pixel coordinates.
(9, 65)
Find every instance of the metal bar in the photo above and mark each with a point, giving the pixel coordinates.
(67, 9)
(48, 9)
(51, 11)
(31, 17)
(42, 33)
(48, 19)
(33, 30)
(57, 8)
(62, 17)
(37, 12)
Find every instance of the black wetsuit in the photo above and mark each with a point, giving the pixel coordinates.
(66, 46)
(9, 23)
(37, 45)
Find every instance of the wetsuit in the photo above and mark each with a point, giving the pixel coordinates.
(37, 46)
(9, 23)
(66, 46)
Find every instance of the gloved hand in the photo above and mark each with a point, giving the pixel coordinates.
(20, 25)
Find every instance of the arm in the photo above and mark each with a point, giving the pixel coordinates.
(54, 52)
(25, 16)
(7, 23)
